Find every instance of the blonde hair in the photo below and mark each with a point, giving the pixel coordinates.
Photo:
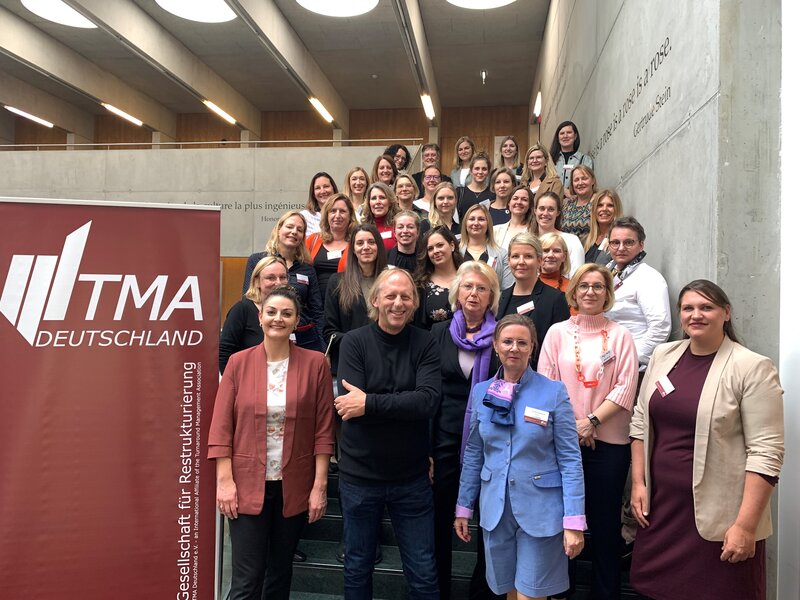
(254, 291)
(481, 268)
(548, 240)
(375, 290)
(594, 228)
(461, 140)
(490, 241)
(433, 214)
(301, 254)
(608, 280)
(499, 158)
(549, 167)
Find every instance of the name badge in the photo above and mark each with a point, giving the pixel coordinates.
(664, 386)
(536, 415)
(570, 167)
(386, 234)
(334, 254)
(603, 245)
(492, 261)
(292, 337)
(607, 356)
(458, 237)
(302, 278)
(525, 308)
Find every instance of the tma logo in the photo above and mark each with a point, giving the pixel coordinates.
(28, 298)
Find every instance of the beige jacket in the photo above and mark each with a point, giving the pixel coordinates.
(739, 428)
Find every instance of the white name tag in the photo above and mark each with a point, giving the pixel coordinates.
(570, 167)
(292, 337)
(525, 308)
(302, 278)
(386, 235)
(607, 356)
(492, 261)
(536, 415)
(334, 254)
(664, 386)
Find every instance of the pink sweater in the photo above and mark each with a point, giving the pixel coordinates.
(620, 375)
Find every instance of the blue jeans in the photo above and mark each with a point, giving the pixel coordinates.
(410, 507)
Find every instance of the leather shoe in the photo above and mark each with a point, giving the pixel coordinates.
(299, 556)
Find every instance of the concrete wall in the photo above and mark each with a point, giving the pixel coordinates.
(254, 186)
(677, 101)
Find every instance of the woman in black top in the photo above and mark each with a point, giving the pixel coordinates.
(329, 246)
(435, 275)
(503, 183)
(345, 304)
(528, 296)
(242, 329)
(465, 354)
(288, 241)
(477, 190)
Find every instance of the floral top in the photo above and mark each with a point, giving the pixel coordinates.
(437, 305)
(276, 416)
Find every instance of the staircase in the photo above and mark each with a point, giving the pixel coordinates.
(320, 577)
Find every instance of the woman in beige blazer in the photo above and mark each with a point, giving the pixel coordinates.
(707, 450)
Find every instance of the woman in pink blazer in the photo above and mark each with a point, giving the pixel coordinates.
(272, 438)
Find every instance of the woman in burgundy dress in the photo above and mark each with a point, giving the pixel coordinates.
(707, 450)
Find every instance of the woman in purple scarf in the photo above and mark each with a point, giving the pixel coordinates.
(465, 344)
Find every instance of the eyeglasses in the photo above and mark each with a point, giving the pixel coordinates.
(470, 287)
(626, 243)
(595, 287)
(432, 177)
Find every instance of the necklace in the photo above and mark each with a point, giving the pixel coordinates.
(475, 329)
(589, 383)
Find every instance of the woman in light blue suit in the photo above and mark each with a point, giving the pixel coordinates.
(522, 456)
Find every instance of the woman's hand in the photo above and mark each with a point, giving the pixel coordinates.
(317, 502)
(227, 498)
(461, 525)
(573, 542)
(639, 504)
(739, 544)
(585, 433)
(430, 469)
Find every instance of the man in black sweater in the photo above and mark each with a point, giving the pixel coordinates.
(390, 371)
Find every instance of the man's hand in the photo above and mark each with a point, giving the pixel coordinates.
(352, 404)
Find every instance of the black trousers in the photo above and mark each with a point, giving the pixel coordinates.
(262, 547)
(446, 475)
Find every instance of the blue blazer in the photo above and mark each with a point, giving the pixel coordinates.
(539, 466)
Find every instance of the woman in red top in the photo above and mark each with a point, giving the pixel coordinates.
(328, 248)
(379, 210)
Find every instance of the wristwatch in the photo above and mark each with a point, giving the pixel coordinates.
(593, 419)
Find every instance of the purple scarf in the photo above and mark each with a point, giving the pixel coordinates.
(481, 344)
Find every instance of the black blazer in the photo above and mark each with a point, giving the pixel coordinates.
(549, 307)
(455, 387)
(339, 322)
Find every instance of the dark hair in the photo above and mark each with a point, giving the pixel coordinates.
(555, 147)
(283, 291)
(516, 319)
(629, 223)
(425, 267)
(350, 281)
(312, 205)
(714, 294)
(545, 196)
(392, 150)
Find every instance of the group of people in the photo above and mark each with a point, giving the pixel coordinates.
(490, 345)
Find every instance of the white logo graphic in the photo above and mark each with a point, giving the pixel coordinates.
(25, 303)
(43, 267)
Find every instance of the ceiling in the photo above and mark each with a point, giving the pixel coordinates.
(272, 57)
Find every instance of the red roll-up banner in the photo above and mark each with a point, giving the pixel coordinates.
(109, 330)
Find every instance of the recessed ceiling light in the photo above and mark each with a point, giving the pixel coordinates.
(480, 4)
(58, 12)
(339, 8)
(204, 11)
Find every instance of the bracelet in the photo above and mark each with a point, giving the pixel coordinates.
(593, 419)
